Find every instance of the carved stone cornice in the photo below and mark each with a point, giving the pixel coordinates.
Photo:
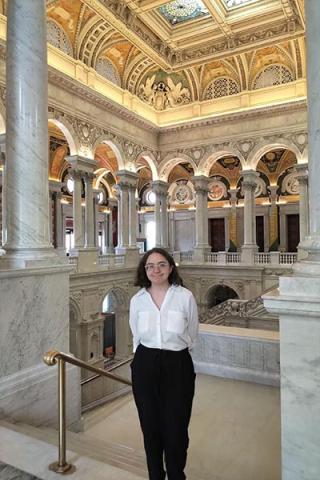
(95, 98)
(264, 111)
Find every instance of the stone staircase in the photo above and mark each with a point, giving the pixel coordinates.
(241, 313)
(108, 458)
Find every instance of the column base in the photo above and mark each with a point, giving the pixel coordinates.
(247, 253)
(199, 253)
(298, 304)
(87, 258)
(31, 258)
(132, 256)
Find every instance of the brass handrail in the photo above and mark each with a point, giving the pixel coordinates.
(114, 367)
(54, 357)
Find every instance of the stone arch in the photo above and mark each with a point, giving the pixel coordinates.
(116, 148)
(68, 131)
(220, 292)
(207, 162)
(100, 173)
(170, 161)
(122, 336)
(264, 148)
(151, 161)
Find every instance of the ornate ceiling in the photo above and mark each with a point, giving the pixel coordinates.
(181, 52)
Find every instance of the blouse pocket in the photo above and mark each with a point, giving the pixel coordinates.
(176, 322)
(143, 322)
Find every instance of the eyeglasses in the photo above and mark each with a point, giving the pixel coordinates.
(150, 267)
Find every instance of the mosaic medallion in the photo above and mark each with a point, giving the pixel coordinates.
(182, 10)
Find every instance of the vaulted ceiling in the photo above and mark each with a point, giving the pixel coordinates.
(175, 53)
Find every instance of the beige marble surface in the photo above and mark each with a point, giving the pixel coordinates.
(234, 431)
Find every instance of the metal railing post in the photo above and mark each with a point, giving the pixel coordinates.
(61, 466)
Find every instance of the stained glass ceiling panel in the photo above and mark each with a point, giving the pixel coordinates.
(180, 11)
(238, 3)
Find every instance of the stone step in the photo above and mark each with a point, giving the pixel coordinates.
(120, 456)
(31, 455)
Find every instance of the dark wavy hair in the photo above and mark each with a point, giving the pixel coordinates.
(141, 276)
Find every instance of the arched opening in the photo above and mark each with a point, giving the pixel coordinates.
(219, 294)
(109, 326)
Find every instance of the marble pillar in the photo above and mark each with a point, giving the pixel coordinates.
(89, 214)
(201, 217)
(2, 209)
(249, 247)
(34, 281)
(82, 169)
(273, 219)
(26, 232)
(112, 205)
(127, 244)
(132, 217)
(164, 219)
(58, 234)
(233, 220)
(77, 209)
(157, 212)
(302, 170)
(297, 302)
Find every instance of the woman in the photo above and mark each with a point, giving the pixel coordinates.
(164, 325)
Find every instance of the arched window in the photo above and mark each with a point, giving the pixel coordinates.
(221, 87)
(58, 38)
(272, 75)
(106, 69)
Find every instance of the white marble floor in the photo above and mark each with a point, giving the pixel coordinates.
(234, 431)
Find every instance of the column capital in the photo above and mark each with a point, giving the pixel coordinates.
(88, 176)
(160, 187)
(82, 164)
(233, 193)
(249, 179)
(200, 183)
(54, 186)
(127, 179)
(303, 173)
(273, 189)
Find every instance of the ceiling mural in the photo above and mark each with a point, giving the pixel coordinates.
(170, 54)
(106, 157)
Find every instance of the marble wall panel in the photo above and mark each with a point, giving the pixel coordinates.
(34, 317)
(238, 356)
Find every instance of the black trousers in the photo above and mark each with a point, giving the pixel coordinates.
(163, 388)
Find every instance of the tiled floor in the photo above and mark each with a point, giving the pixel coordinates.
(234, 431)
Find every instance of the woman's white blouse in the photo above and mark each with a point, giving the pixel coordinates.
(173, 327)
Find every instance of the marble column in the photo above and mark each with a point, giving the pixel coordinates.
(26, 232)
(201, 217)
(77, 209)
(132, 217)
(233, 220)
(128, 246)
(89, 211)
(298, 304)
(249, 247)
(157, 213)
(34, 280)
(160, 188)
(2, 208)
(164, 219)
(58, 237)
(302, 170)
(273, 219)
(112, 205)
